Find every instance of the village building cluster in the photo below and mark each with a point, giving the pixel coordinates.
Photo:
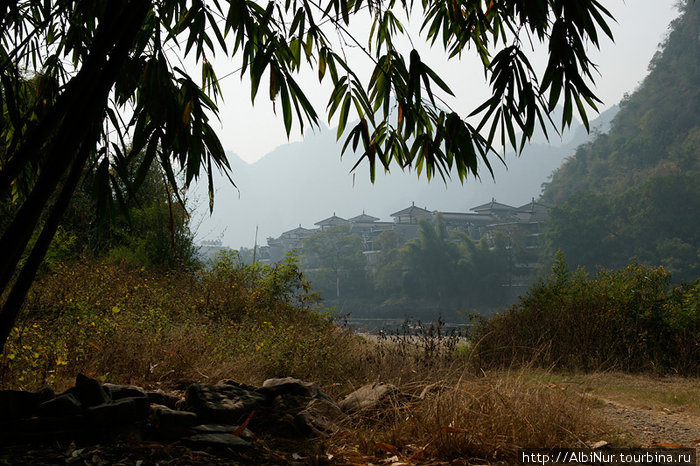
(523, 224)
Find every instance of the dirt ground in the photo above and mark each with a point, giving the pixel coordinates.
(646, 410)
(649, 427)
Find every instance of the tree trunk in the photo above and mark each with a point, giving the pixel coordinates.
(84, 103)
(76, 132)
(13, 304)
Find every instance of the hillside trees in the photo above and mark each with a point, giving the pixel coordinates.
(632, 194)
(654, 223)
(111, 86)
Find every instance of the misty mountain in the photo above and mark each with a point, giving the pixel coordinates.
(302, 183)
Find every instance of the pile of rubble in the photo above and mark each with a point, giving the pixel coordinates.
(226, 415)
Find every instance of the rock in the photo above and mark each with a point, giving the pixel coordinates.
(216, 440)
(319, 416)
(170, 418)
(63, 405)
(88, 391)
(16, 404)
(225, 402)
(291, 386)
(121, 411)
(159, 397)
(46, 423)
(298, 408)
(223, 428)
(368, 396)
(118, 392)
(45, 393)
(602, 444)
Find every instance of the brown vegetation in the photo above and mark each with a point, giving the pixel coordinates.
(251, 323)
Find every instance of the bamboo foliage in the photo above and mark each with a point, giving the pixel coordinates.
(107, 76)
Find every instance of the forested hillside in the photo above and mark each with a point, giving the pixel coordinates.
(634, 194)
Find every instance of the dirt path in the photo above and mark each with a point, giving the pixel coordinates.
(642, 410)
(649, 426)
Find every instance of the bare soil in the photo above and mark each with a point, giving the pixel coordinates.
(648, 427)
(646, 410)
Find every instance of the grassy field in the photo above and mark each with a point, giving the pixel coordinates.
(167, 330)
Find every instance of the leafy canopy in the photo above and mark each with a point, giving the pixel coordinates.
(157, 106)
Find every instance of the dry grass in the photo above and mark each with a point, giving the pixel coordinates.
(124, 325)
(132, 326)
(486, 418)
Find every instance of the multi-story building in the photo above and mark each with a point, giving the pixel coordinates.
(521, 228)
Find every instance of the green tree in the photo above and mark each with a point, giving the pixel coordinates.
(109, 89)
(334, 262)
(431, 260)
(386, 273)
(445, 269)
(153, 229)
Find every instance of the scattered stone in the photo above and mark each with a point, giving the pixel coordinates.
(368, 396)
(16, 404)
(164, 416)
(88, 391)
(47, 423)
(291, 386)
(121, 411)
(159, 397)
(45, 393)
(63, 405)
(298, 408)
(118, 392)
(224, 402)
(217, 440)
(223, 429)
(214, 416)
(319, 416)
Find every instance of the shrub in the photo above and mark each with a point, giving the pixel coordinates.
(126, 324)
(630, 319)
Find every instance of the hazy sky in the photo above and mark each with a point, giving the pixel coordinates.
(252, 132)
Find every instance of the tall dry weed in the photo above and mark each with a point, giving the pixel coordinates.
(485, 418)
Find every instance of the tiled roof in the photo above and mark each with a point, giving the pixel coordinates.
(364, 218)
(332, 221)
(299, 231)
(533, 206)
(412, 211)
(493, 205)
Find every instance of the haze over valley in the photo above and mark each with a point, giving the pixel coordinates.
(302, 183)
